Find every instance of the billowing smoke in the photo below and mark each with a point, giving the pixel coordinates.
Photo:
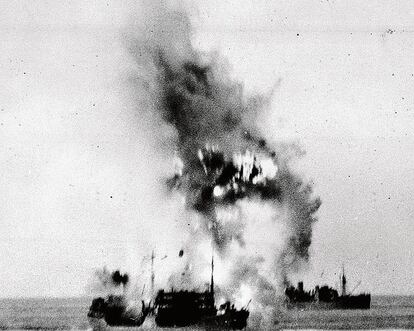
(239, 191)
(107, 282)
(119, 279)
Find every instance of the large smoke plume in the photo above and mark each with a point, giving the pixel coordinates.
(240, 194)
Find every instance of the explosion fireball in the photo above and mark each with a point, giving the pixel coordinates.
(239, 190)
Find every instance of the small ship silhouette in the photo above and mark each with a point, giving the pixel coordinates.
(325, 297)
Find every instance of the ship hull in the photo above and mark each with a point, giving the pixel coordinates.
(100, 325)
(232, 320)
(212, 323)
(344, 302)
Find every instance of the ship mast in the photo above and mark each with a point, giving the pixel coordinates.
(152, 274)
(212, 273)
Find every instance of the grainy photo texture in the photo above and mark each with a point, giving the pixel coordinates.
(201, 165)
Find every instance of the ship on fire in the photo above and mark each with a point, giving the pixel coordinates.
(188, 308)
(172, 309)
(325, 297)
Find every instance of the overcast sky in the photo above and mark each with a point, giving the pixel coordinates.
(72, 149)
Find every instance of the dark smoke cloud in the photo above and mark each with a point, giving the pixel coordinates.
(211, 122)
(105, 281)
(119, 279)
(298, 197)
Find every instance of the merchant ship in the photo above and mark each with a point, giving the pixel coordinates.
(170, 309)
(325, 297)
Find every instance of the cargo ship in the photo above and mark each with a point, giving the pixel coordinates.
(325, 297)
(170, 309)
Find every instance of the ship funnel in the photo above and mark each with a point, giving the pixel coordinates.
(212, 275)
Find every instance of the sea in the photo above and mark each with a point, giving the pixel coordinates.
(387, 313)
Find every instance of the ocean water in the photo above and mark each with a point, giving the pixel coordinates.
(388, 312)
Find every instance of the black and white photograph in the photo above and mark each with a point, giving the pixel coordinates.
(206, 165)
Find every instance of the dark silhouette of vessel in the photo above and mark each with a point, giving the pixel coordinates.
(191, 308)
(172, 309)
(326, 297)
(114, 311)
